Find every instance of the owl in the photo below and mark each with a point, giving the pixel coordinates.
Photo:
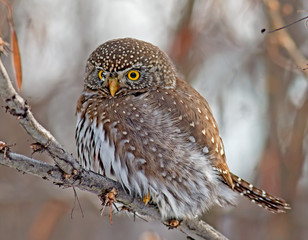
(142, 125)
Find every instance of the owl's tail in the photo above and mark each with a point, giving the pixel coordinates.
(258, 196)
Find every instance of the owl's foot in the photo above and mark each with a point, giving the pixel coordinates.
(146, 198)
(110, 199)
(173, 223)
(4, 148)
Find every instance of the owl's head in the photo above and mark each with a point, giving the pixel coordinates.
(123, 66)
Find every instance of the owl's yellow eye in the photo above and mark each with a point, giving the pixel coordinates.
(133, 75)
(100, 74)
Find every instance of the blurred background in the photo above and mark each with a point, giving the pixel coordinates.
(255, 84)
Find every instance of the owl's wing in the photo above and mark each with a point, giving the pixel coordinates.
(195, 112)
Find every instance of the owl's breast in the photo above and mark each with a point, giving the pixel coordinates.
(141, 140)
(157, 130)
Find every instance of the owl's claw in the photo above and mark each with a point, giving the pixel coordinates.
(146, 198)
(173, 223)
(4, 148)
(110, 198)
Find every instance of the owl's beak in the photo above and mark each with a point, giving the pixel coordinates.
(113, 84)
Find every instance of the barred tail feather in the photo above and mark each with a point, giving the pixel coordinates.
(258, 196)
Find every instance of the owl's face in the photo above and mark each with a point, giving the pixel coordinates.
(125, 66)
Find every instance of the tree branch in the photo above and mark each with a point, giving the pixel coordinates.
(67, 172)
(18, 107)
(84, 180)
(97, 184)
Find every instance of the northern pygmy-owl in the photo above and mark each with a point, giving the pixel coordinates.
(139, 123)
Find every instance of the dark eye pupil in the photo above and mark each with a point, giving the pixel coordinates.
(133, 75)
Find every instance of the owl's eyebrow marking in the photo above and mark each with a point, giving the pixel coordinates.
(137, 68)
(99, 68)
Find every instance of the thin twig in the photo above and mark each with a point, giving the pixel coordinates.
(76, 200)
(284, 38)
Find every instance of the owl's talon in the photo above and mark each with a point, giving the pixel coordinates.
(146, 199)
(4, 148)
(110, 199)
(173, 223)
